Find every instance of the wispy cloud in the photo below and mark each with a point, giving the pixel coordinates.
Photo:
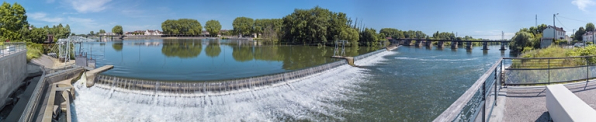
(84, 6)
(582, 4)
(40, 16)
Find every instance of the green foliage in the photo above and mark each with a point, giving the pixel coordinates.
(316, 25)
(101, 31)
(524, 38)
(351, 35)
(12, 19)
(578, 34)
(369, 37)
(182, 27)
(590, 27)
(117, 30)
(91, 33)
(33, 50)
(243, 25)
(270, 29)
(213, 27)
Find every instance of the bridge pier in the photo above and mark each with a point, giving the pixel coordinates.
(453, 45)
(484, 45)
(440, 44)
(406, 42)
(502, 46)
(428, 43)
(419, 43)
(468, 45)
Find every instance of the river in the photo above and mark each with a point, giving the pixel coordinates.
(406, 84)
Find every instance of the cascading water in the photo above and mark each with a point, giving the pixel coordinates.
(314, 97)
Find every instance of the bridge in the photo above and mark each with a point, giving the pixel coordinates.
(441, 42)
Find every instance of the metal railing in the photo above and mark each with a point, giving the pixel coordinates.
(8, 48)
(479, 99)
(532, 71)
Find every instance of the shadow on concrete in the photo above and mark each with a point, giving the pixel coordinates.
(545, 117)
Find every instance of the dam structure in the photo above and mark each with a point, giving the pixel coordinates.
(291, 95)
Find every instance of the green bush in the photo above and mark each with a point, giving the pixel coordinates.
(33, 50)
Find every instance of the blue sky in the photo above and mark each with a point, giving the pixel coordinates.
(477, 18)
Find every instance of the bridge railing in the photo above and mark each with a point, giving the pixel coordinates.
(8, 48)
(532, 71)
(477, 103)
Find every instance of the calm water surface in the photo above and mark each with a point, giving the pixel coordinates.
(204, 60)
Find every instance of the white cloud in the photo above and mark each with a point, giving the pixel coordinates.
(40, 16)
(84, 6)
(582, 4)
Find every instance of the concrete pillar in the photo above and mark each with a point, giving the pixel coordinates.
(419, 43)
(440, 44)
(453, 45)
(406, 42)
(468, 45)
(502, 46)
(484, 45)
(428, 43)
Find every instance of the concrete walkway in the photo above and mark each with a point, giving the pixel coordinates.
(529, 103)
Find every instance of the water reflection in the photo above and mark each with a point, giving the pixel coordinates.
(117, 46)
(181, 48)
(213, 49)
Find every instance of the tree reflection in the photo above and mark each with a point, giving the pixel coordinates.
(213, 49)
(181, 48)
(117, 46)
(242, 53)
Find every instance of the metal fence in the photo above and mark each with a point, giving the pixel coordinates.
(478, 102)
(531, 71)
(8, 48)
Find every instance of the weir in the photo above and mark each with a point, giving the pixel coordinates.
(168, 88)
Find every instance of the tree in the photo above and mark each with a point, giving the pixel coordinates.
(213, 27)
(243, 25)
(182, 27)
(12, 19)
(351, 35)
(590, 27)
(91, 33)
(578, 34)
(117, 30)
(101, 31)
(521, 40)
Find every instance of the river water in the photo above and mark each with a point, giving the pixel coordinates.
(407, 84)
(205, 60)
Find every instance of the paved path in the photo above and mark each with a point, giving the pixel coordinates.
(529, 103)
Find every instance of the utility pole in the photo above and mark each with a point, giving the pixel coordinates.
(536, 21)
(502, 35)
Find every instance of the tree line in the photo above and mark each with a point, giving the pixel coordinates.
(15, 27)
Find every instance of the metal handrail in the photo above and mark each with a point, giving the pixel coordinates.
(9, 48)
(456, 109)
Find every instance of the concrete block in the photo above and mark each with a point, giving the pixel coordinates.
(564, 106)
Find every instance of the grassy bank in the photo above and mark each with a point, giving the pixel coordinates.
(33, 50)
(554, 52)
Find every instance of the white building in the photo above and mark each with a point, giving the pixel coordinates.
(153, 32)
(549, 34)
(107, 34)
(589, 36)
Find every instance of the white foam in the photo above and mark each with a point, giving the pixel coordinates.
(311, 98)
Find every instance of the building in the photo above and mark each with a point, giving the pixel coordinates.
(107, 34)
(153, 32)
(589, 36)
(549, 34)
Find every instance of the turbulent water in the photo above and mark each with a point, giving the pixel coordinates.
(407, 84)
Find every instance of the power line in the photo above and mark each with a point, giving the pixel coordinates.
(573, 19)
(561, 23)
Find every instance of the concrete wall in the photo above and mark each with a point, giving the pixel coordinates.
(13, 70)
